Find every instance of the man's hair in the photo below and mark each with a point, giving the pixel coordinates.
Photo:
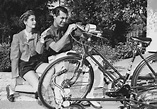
(56, 11)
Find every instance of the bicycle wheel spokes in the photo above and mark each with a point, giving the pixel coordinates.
(46, 89)
(65, 73)
(146, 79)
(78, 77)
(145, 83)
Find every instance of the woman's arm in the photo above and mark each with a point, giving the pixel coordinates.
(40, 45)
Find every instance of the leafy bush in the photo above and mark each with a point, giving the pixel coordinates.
(5, 64)
(120, 51)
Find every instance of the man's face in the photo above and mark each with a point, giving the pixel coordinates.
(61, 19)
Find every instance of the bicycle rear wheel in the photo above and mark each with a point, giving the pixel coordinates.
(143, 81)
(65, 73)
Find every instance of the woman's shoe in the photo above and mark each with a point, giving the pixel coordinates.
(10, 96)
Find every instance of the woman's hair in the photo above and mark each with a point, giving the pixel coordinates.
(58, 9)
(25, 16)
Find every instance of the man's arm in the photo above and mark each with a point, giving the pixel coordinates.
(57, 46)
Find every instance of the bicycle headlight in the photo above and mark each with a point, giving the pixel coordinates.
(90, 27)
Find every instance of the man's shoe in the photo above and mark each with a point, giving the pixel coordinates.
(85, 103)
(95, 104)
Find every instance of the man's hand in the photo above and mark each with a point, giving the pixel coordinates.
(71, 27)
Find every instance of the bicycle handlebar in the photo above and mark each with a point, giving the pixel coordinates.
(90, 29)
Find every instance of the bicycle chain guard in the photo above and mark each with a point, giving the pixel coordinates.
(124, 91)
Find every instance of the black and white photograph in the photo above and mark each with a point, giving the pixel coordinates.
(78, 54)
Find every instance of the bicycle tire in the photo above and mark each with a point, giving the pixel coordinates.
(142, 80)
(141, 69)
(82, 89)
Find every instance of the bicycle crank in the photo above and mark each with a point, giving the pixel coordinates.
(123, 91)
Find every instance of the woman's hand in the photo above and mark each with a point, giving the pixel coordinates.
(43, 35)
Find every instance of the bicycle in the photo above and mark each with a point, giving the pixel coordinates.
(78, 77)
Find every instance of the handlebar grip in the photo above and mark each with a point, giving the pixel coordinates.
(90, 29)
(80, 27)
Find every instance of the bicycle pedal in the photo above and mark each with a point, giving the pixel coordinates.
(123, 91)
(62, 71)
(113, 94)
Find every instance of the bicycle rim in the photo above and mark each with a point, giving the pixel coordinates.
(78, 87)
(144, 83)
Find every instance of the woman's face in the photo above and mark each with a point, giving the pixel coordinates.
(30, 22)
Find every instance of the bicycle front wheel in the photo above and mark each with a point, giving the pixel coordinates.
(144, 81)
(66, 72)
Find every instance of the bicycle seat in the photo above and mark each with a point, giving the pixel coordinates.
(144, 40)
(74, 54)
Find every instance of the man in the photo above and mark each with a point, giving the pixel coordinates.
(57, 38)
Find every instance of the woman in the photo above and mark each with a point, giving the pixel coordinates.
(25, 49)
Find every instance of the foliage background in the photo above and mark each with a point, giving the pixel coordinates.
(117, 19)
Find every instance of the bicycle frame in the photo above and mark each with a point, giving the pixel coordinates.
(123, 99)
(122, 90)
(88, 53)
(136, 50)
(126, 77)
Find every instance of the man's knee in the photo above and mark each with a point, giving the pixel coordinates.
(41, 68)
